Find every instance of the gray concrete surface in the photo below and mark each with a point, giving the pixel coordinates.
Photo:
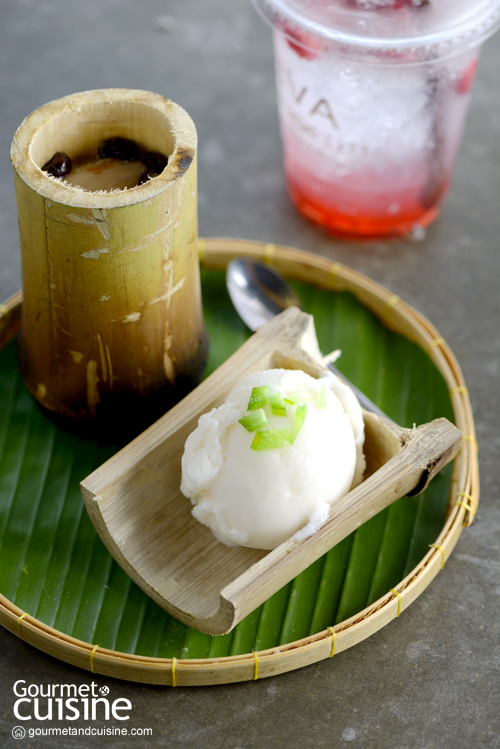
(432, 677)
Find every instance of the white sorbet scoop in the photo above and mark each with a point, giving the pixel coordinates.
(270, 461)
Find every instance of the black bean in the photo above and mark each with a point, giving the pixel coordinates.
(59, 165)
(119, 148)
(155, 162)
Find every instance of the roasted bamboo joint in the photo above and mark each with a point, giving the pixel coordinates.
(112, 324)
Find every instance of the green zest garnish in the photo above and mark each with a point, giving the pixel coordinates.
(321, 399)
(254, 420)
(269, 439)
(300, 397)
(277, 402)
(259, 397)
(298, 423)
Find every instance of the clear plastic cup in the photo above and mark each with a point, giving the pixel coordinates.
(373, 96)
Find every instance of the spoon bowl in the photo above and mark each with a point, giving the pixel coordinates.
(258, 292)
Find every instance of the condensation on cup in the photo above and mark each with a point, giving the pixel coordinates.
(372, 96)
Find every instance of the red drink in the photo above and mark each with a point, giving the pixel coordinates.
(364, 207)
(372, 97)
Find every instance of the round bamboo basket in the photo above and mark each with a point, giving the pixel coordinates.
(112, 319)
(463, 500)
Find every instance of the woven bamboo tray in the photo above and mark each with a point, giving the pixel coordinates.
(464, 495)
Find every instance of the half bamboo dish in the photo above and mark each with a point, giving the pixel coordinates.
(136, 506)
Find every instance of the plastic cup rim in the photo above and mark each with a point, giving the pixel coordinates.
(433, 46)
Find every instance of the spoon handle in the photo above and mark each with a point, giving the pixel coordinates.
(366, 403)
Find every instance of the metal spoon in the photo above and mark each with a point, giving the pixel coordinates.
(259, 292)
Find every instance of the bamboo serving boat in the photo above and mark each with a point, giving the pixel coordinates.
(136, 506)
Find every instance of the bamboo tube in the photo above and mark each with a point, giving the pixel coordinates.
(112, 326)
